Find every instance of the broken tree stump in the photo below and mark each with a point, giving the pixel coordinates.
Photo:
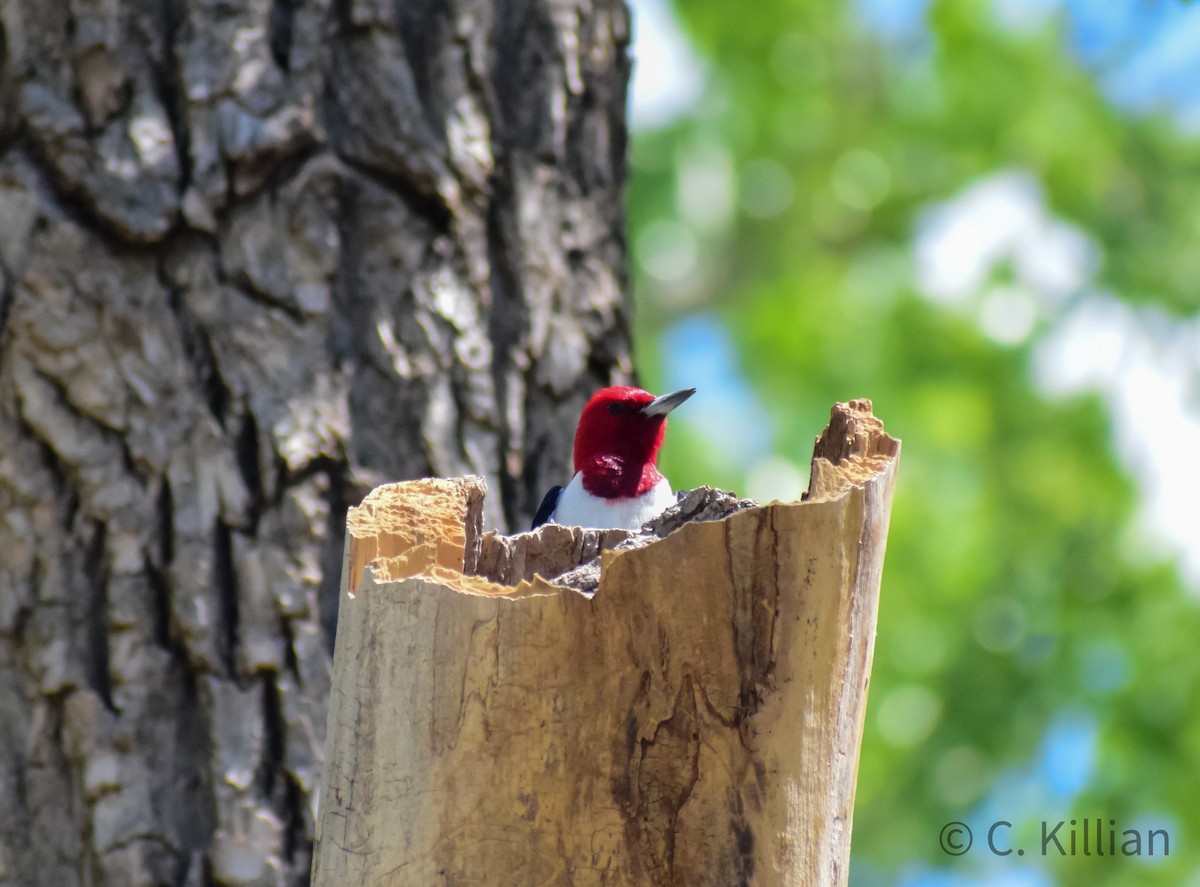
(695, 723)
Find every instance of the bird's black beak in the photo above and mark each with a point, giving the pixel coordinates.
(660, 406)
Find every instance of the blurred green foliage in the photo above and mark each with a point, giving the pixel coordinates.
(1012, 593)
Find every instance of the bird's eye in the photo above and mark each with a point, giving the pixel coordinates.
(616, 407)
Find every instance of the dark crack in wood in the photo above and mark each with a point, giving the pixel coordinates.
(96, 570)
(225, 597)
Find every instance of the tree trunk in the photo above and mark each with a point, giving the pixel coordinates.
(255, 258)
(696, 723)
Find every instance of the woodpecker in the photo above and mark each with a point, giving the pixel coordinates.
(617, 483)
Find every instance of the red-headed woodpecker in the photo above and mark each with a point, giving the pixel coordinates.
(617, 483)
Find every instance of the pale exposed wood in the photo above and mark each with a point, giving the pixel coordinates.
(696, 723)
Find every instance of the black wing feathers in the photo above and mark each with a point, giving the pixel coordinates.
(549, 503)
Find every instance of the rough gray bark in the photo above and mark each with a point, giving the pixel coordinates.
(254, 258)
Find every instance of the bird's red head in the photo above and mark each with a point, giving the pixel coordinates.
(618, 438)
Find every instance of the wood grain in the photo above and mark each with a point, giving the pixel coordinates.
(695, 723)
